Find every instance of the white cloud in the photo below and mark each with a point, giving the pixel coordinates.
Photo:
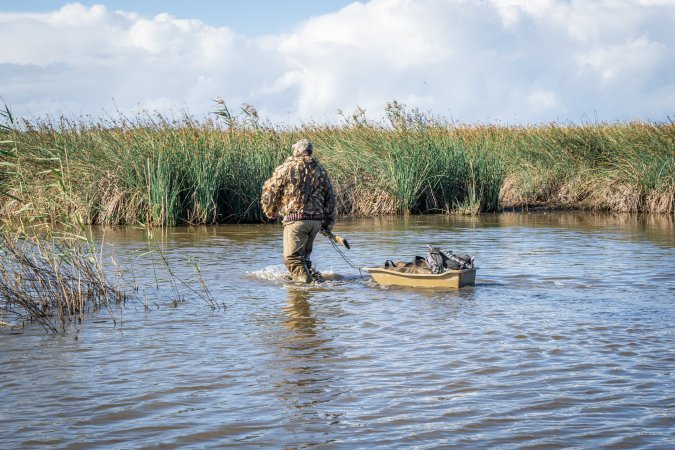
(542, 100)
(506, 60)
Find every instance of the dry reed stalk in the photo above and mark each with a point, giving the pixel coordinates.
(48, 277)
(160, 171)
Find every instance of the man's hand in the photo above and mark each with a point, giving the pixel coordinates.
(334, 238)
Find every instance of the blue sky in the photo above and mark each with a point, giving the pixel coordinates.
(488, 61)
(253, 17)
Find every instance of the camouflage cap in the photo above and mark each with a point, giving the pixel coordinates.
(303, 146)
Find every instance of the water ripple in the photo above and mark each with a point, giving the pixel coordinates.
(560, 344)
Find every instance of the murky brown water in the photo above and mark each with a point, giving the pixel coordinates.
(567, 340)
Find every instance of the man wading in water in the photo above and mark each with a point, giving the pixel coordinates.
(301, 192)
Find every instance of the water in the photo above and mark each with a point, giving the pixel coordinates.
(565, 341)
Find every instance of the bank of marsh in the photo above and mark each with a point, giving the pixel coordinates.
(160, 171)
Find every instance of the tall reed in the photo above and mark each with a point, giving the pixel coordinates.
(157, 170)
(51, 267)
(47, 275)
(50, 277)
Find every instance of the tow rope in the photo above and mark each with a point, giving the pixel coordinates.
(334, 240)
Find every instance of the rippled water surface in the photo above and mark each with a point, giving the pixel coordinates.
(565, 341)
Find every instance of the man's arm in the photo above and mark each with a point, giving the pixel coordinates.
(329, 203)
(272, 192)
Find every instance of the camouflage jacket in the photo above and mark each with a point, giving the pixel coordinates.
(300, 189)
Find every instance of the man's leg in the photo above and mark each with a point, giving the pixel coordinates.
(296, 235)
(313, 227)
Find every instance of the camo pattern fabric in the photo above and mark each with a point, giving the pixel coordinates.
(300, 189)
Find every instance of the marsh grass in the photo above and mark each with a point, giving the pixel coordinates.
(49, 275)
(161, 171)
(51, 268)
(621, 167)
(52, 277)
(158, 171)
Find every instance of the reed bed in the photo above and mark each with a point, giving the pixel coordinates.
(51, 267)
(51, 278)
(48, 275)
(156, 170)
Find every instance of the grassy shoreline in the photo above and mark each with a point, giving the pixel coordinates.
(159, 171)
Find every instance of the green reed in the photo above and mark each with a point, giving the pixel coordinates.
(620, 167)
(156, 170)
(48, 274)
(51, 182)
(51, 276)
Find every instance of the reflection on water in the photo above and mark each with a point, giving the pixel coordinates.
(301, 352)
(300, 320)
(565, 341)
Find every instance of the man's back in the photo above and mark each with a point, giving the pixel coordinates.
(301, 192)
(300, 189)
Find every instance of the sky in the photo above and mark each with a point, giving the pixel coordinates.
(470, 61)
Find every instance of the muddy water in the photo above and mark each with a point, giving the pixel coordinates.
(566, 340)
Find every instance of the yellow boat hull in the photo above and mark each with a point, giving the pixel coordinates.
(453, 279)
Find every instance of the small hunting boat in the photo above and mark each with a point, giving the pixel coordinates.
(452, 279)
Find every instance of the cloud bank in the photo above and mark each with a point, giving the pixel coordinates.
(509, 61)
